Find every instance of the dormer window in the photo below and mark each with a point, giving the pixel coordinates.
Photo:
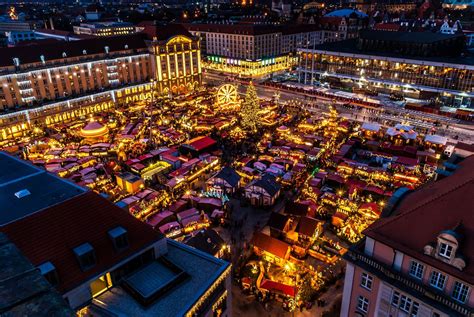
(119, 238)
(48, 270)
(85, 255)
(445, 250)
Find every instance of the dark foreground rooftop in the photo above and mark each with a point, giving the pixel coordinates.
(202, 271)
(26, 189)
(23, 290)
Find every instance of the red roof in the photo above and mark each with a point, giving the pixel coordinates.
(403, 160)
(201, 143)
(307, 226)
(387, 27)
(53, 233)
(278, 287)
(423, 214)
(270, 245)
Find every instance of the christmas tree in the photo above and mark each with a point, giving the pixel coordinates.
(249, 109)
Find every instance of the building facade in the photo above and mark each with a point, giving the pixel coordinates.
(252, 50)
(344, 65)
(105, 28)
(64, 80)
(404, 269)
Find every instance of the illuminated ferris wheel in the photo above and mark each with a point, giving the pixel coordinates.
(226, 95)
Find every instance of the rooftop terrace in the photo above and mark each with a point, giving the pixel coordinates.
(202, 271)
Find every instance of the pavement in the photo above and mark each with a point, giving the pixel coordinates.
(246, 305)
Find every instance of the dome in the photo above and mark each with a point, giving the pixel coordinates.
(345, 13)
(94, 129)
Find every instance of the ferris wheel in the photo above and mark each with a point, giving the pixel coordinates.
(227, 94)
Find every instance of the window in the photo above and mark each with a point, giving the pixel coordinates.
(416, 270)
(395, 298)
(366, 281)
(363, 304)
(414, 309)
(405, 303)
(119, 238)
(460, 292)
(85, 255)
(445, 250)
(437, 280)
(48, 270)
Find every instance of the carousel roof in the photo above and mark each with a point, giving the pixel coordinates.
(94, 129)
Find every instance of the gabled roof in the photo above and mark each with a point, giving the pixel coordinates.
(208, 241)
(277, 221)
(423, 214)
(268, 183)
(278, 287)
(229, 175)
(200, 143)
(307, 226)
(53, 233)
(270, 245)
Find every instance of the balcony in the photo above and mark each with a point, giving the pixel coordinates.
(421, 291)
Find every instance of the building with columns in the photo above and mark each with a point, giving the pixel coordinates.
(417, 260)
(55, 82)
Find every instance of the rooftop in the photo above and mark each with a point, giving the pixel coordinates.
(407, 37)
(229, 175)
(54, 51)
(203, 271)
(350, 47)
(251, 29)
(26, 189)
(23, 290)
(268, 183)
(270, 244)
(207, 241)
(347, 13)
(440, 206)
(52, 234)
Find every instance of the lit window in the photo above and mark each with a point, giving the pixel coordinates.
(460, 292)
(416, 270)
(437, 280)
(445, 250)
(363, 304)
(366, 281)
(405, 303)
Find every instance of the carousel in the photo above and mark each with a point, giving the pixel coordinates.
(94, 131)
